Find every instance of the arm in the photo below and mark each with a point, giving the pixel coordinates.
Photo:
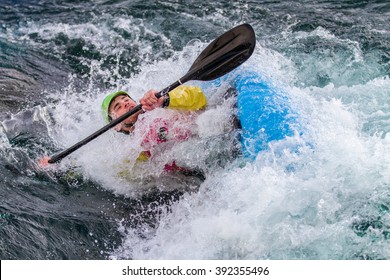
(187, 98)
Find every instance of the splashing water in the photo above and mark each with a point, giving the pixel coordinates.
(330, 200)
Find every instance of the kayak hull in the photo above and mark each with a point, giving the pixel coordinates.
(264, 113)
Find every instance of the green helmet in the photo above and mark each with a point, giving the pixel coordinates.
(107, 101)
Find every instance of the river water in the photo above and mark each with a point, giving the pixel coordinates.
(58, 59)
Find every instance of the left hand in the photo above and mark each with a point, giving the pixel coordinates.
(43, 162)
(149, 101)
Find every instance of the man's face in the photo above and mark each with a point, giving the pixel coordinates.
(121, 105)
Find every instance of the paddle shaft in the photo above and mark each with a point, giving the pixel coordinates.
(113, 123)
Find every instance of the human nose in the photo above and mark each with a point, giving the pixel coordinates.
(126, 103)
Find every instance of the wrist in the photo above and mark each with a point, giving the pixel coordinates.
(166, 100)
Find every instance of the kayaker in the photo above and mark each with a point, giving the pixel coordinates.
(186, 99)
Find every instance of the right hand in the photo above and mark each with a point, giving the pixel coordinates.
(149, 101)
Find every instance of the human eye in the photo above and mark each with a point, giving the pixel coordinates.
(116, 107)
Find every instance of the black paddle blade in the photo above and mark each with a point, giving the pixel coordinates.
(225, 53)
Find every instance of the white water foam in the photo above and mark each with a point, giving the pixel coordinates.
(306, 205)
(315, 204)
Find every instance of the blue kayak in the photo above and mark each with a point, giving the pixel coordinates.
(263, 110)
(264, 113)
